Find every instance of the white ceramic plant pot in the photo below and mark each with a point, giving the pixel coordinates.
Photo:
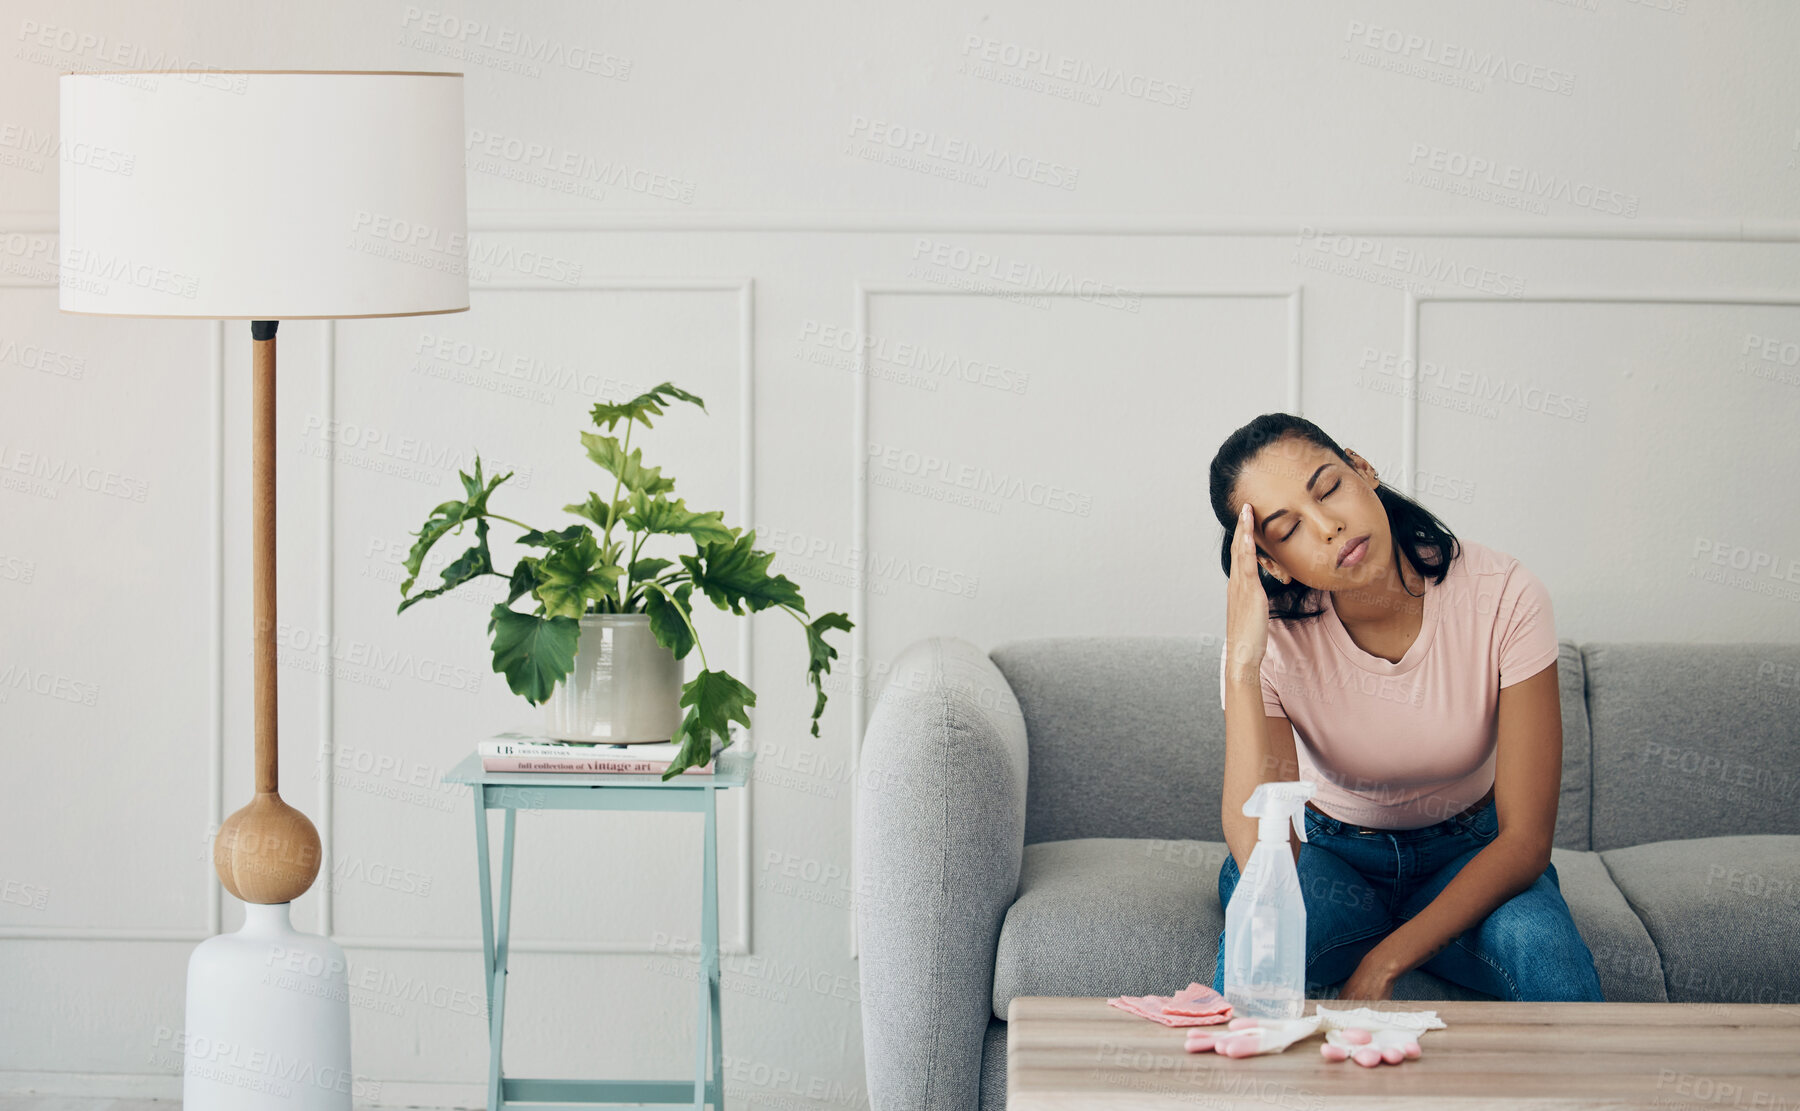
(625, 689)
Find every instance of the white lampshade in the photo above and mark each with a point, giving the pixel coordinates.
(263, 195)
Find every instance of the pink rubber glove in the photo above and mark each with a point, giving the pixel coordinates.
(1248, 1037)
(1370, 1048)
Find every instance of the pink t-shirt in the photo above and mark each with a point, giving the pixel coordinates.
(1407, 744)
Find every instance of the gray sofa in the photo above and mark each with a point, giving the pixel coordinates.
(1043, 819)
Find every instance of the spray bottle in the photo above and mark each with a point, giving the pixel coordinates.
(1265, 925)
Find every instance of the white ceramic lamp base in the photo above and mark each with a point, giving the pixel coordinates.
(268, 1020)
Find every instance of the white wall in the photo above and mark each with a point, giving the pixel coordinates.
(1270, 210)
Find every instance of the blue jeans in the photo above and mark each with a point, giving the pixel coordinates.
(1358, 887)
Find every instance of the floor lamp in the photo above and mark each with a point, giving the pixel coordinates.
(264, 195)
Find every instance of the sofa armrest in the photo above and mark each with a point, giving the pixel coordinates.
(940, 835)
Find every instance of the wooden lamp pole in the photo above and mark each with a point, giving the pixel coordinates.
(267, 851)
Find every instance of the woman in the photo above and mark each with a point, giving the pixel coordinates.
(1412, 677)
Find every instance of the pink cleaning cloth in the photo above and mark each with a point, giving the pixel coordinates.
(1197, 1001)
(1195, 1005)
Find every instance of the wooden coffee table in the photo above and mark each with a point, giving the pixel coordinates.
(1067, 1053)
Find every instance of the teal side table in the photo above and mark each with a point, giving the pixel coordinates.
(516, 791)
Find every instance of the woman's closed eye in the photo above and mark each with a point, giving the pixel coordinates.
(1322, 497)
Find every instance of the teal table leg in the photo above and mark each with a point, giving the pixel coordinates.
(487, 941)
(712, 920)
(498, 1033)
(711, 1019)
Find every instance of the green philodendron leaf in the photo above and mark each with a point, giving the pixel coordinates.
(611, 554)
(714, 700)
(594, 509)
(642, 406)
(534, 653)
(572, 575)
(736, 571)
(666, 621)
(647, 568)
(820, 655)
(477, 491)
(444, 518)
(449, 517)
(642, 572)
(630, 469)
(524, 580)
(673, 517)
(538, 539)
(476, 561)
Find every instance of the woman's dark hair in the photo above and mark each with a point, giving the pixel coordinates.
(1425, 538)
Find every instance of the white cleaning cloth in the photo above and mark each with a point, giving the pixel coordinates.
(1337, 1018)
(1362, 1034)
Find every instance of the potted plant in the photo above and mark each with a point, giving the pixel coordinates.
(629, 615)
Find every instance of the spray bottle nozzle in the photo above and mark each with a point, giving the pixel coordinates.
(1278, 803)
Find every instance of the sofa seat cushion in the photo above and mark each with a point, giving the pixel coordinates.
(1624, 956)
(1106, 916)
(1724, 913)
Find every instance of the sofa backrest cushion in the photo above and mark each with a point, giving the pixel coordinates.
(1127, 738)
(1577, 755)
(1693, 740)
(1125, 734)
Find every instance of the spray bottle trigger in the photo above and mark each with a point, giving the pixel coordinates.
(1299, 817)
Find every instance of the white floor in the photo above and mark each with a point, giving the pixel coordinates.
(84, 1103)
(91, 1103)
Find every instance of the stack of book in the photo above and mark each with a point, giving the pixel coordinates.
(517, 752)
